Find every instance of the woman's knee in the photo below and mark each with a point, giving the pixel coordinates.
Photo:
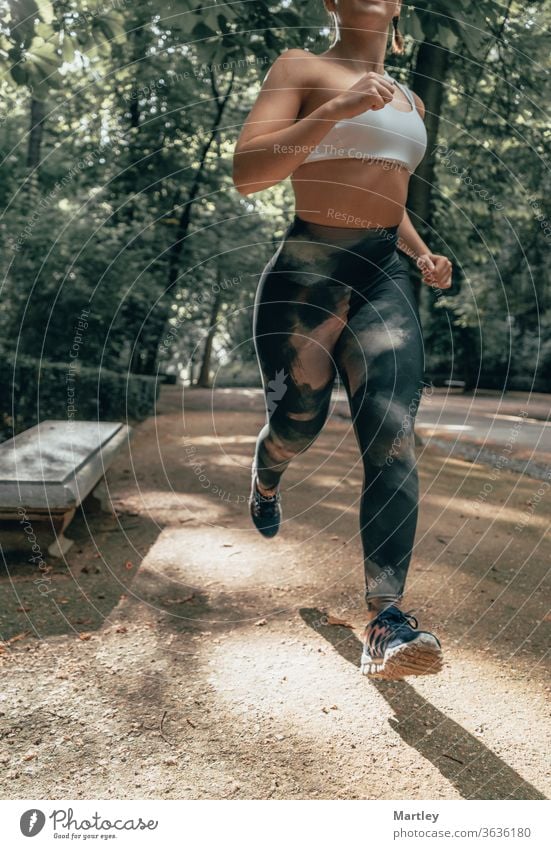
(303, 410)
(386, 430)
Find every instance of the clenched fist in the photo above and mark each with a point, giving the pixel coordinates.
(436, 270)
(372, 91)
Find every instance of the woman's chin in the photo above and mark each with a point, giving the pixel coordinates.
(365, 13)
(374, 6)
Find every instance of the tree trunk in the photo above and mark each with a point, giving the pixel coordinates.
(185, 215)
(146, 350)
(429, 79)
(470, 357)
(37, 117)
(204, 375)
(162, 308)
(38, 113)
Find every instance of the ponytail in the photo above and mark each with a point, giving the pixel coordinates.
(397, 37)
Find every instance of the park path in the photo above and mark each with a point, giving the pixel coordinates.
(181, 655)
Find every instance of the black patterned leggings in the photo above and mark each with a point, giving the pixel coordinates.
(338, 300)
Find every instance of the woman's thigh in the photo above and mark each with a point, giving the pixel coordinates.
(380, 358)
(299, 316)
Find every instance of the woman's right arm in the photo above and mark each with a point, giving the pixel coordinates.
(273, 143)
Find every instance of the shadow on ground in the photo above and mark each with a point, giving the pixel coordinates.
(471, 767)
(78, 592)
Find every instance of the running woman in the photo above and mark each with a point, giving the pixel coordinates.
(335, 298)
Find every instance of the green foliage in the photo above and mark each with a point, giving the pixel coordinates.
(493, 209)
(37, 38)
(39, 389)
(455, 24)
(120, 200)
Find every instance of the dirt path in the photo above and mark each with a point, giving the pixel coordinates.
(181, 655)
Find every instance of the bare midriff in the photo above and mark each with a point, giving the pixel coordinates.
(351, 192)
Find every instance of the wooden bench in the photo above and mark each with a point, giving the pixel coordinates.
(45, 474)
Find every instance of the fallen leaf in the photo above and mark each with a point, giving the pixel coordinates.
(17, 637)
(29, 757)
(84, 636)
(261, 622)
(122, 630)
(334, 620)
(180, 600)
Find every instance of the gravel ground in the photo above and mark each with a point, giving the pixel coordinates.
(181, 655)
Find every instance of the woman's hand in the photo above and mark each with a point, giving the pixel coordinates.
(436, 269)
(372, 91)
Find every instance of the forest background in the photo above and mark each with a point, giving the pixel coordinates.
(130, 259)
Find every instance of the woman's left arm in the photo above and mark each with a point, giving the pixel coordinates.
(409, 240)
(436, 269)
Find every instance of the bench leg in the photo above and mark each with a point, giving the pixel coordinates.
(98, 500)
(61, 545)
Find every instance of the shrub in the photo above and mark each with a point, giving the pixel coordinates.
(33, 390)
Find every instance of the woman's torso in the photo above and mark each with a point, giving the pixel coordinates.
(355, 192)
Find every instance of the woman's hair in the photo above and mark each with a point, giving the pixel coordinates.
(397, 45)
(332, 21)
(397, 37)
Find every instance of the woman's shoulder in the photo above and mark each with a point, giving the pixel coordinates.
(295, 62)
(297, 53)
(298, 58)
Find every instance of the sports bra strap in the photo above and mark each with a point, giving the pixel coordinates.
(406, 90)
(408, 94)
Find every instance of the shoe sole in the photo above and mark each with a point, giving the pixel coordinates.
(421, 656)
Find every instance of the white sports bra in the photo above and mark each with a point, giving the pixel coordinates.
(387, 134)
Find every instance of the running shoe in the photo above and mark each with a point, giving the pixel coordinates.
(265, 511)
(395, 648)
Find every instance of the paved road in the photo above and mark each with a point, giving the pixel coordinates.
(489, 419)
(512, 431)
(469, 419)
